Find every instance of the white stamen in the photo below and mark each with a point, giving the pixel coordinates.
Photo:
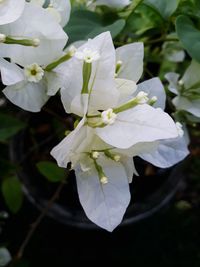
(34, 73)
(142, 97)
(88, 55)
(95, 155)
(179, 127)
(36, 42)
(108, 116)
(104, 180)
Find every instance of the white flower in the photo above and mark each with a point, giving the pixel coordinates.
(60, 9)
(49, 32)
(184, 89)
(10, 10)
(142, 97)
(108, 116)
(88, 55)
(34, 73)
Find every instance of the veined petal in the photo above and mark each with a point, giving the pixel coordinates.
(140, 124)
(131, 56)
(10, 72)
(154, 87)
(129, 167)
(168, 153)
(27, 95)
(79, 105)
(51, 35)
(126, 89)
(64, 9)
(11, 10)
(105, 204)
(192, 106)
(54, 82)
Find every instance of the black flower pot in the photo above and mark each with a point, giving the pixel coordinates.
(152, 190)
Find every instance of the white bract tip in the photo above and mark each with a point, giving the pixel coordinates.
(104, 180)
(142, 98)
(117, 158)
(95, 155)
(88, 55)
(108, 116)
(2, 38)
(34, 73)
(179, 127)
(180, 82)
(36, 42)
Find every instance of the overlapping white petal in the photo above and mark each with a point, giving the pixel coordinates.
(41, 26)
(104, 204)
(10, 10)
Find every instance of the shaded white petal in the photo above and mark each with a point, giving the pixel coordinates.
(168, 153)
(140, 124)
(191, 76)
(10, 72)
(154, 87)
(131, 56)
(129, 167)
(192, 106)
(54, 82)
(51, 35)
(126, 89)
(10, 10)
(105, 204)
(172, 78)
(27, 95)
(67, 147)
(79, 105)
(64, 9)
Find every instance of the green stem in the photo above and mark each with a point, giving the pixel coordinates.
(54, 64)
(87, 70)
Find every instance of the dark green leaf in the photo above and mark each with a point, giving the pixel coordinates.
(51, 171)
(12, 193)
(189, 36)
(85, 24)
(9, 126)
(165, 7)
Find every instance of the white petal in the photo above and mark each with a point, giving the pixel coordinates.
(79, 105)
(172, 78)
(154, 87)
(192, 106)
(29, 96)
(140, 124)
(10, 72)
(64, 8)
(168, 153)
(5, 256)
(131, 56)
(101, 81)
(129, 167)
(126, 89)
(52, 37)
(54, 82)
(68, 146)
(10, 10)
(105, 204)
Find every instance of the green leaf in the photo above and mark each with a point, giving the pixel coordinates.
(165, 7)
(9, 126)
(12, 193)
(85, 24)
(189, 36)
(51, 171)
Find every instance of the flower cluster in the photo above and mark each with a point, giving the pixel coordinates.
(119, 118)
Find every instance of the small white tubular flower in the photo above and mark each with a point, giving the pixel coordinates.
(51, 35)
(181, 82)
(180, 130)
(108, 116)
(88, 55)
(95, 154)
(142, 97)
(72, 50)
(34, 73)
(117, 158)
(10, 10)
(104, 180)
